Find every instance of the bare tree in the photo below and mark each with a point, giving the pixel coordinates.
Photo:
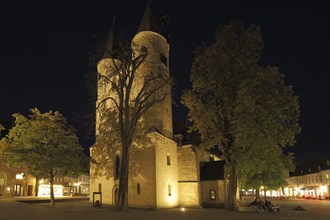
(127, 90)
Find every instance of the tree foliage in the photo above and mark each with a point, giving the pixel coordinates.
(46, 145)
(238, 105)
(272, 176)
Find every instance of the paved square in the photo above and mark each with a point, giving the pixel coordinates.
(11, 209)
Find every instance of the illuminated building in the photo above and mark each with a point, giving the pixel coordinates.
(311, 181)
(15, 181)
(65, 186)
(163, 173)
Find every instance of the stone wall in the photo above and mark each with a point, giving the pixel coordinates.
(142, 178)
(107, 187)
(159, 115)
(218, 186)
(189, 195)
(188, 176)
(166, 171)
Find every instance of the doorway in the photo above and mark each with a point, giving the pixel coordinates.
(116, 196)
(17, 190)
(30, 188)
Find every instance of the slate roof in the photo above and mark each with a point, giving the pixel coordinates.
(112, 44)
(313, 166)
(213, 170)
(149, 21)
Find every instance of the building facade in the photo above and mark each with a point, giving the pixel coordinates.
(16, 182)
(311, 181)
(163, 173)
(65, 186)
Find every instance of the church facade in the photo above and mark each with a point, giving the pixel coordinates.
(162, 173)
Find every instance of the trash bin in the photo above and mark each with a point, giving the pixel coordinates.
(97, 199)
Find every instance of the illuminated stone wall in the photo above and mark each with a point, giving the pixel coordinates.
(152, 182)
(142, 173)
(107, 186)
(188, 177)
(220, 194)
(189, 194)
(167, 193)
(160, 115)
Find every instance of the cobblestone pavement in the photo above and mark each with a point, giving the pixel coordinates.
(12, 209)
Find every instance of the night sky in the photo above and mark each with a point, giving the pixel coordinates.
(45, 46)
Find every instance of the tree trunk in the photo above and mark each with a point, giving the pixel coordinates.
(37, 186)
(122, 204)
(232, 188)
(258, 193)
(52, 197)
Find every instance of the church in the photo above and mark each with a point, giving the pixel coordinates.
(165, 172)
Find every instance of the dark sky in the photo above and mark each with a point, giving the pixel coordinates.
(45, 47)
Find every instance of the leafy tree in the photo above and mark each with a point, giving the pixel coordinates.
(46, 145)
(238, 105)
(126, 93)
(273, 175)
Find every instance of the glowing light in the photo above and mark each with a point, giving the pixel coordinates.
(183, 209)
(20, 176)
(324, 188)
(8, 189)
(44, 190)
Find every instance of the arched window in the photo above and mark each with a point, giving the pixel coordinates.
(2, 178)
(2, 182)
(20, 176)
(117, 167)
(212, 194)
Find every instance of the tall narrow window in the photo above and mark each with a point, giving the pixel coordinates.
(169, 189)
(138, 189)
(163, 59)
(168, 159)
(100, 187)
(117, 166)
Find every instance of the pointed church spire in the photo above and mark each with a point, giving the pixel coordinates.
(149, 21)
(112, 43)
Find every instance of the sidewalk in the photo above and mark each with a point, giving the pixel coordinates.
(12, 209)
(36, 199)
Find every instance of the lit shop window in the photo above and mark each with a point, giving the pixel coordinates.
(44, 190)
(20, 176)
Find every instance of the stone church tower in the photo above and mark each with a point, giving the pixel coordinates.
(153, 173)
